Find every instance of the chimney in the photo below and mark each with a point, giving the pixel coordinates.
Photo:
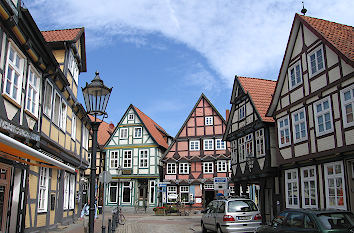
(227, 115)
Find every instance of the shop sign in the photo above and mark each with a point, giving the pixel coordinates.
(18, 131)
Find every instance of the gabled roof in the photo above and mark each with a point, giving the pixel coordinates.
(260, 91)
(104, 131)
(72, 34)
(154, 129)
(338, 37)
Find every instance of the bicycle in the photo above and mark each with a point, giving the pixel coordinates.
(118, 216)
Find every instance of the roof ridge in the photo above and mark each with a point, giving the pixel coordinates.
(57, 30)
(305, 16)
(150, 118)
(257, 78)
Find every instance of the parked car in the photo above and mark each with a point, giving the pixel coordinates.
(316, 221)
(231, 215)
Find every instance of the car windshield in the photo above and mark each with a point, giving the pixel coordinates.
(242, 206)
(336, 220)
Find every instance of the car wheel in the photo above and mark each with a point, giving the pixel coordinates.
(218, 230)
(204, 230)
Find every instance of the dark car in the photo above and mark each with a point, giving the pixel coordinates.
(303, 220)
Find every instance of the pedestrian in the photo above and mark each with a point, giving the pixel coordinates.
(85, 216)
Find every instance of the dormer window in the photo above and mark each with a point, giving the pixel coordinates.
(295, 75)
(130, 117)
(316, 61)
(209, 120)
(242, 112)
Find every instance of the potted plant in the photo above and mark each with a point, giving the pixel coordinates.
(159, 210)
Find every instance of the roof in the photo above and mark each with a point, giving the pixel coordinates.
(155, 130)
(72, 34)
(260, 91)
(104, 131)
(339, 35)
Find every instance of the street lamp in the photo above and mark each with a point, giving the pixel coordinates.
(96, 96)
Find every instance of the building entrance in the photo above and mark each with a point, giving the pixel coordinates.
(209, 195)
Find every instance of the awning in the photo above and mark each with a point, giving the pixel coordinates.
(12, 147)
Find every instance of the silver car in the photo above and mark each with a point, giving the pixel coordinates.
(231, 215)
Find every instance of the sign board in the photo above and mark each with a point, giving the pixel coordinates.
(126, 172)
(162, 185)
(220, 183)
(165, 182)
(172, 196)
(108, 177)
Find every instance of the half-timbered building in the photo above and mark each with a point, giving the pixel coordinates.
(133, 157)
(252, 138)
(197, 155)
(313, 109)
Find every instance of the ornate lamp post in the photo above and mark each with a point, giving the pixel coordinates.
(96, 96)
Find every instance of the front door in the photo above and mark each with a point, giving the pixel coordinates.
(143, 193)
(5, 172)
(209, 195)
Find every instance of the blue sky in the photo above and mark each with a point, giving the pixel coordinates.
(160, 55)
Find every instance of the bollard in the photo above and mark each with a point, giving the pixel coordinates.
(113, 229)
(109, 226)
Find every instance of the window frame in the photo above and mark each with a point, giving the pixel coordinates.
(293, 66)
(260, 142)
(114, 158)
(183, 168)
(142, 159)
(292, 180)
(335, 177)
(221, 146)
(66, 191)
(85, 137)
(33, 72)
(209, 120)
(323, 112)
(50, 99)
(129, 115)
(299, 122)
(72, 192)
(141, 132)
(242, 112)
(73, 127)
(314, 52)
(109, 192)
(195, 142)
(126, 152)
(121, 130)
(43, 188)
(15, 69)
(308, 179)
(208, 167)
(171, 168)
(221, 164)
(208, 147)
(344, 103)
(181, 191)
(283, 128)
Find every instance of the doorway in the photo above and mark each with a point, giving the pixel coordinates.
(209, 195)
(5, 173)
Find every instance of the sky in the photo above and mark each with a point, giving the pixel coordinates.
(161, 55)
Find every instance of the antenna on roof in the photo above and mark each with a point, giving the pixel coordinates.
(303, 11)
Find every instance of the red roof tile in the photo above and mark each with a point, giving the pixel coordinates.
(339, 35)
(156, 131)
(261, 91)
(62, 35)
(104, 131)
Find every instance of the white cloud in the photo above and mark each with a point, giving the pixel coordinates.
(236, 37)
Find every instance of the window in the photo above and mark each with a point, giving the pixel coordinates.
(152, 191)
(208, 144)
(291, 188)
(249, 145)
(48, 96)
(76, 73)
(221, 166)
(234, 149)
(66, 191)
(194, 145)
(184, 168)
(299, 125)
(220, 144)
(171, 168)
(43, 189)
(144, 159)
(130, 117)
(113, 192)
(72, 192)
(62, 122)
(284, 131)
(32, 91)
(85, 137)
(295, 220)
(71, 63)
(123, 133)
(208, 186)
(184, 192)
(208, 167)
(14, 73)
(114, 159)
(323, 116)
(127, 159)
(171, 194)
(260, 146)
(73, 127)
(138, 132)
(209, 120)
(295, 75)
(242, 112)
(89, 159)
(241, 149)
(335, 185)
(347, 99)
(126, 192)
(309, 187)
(316, 61)
(232, 189)
(59, 112)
